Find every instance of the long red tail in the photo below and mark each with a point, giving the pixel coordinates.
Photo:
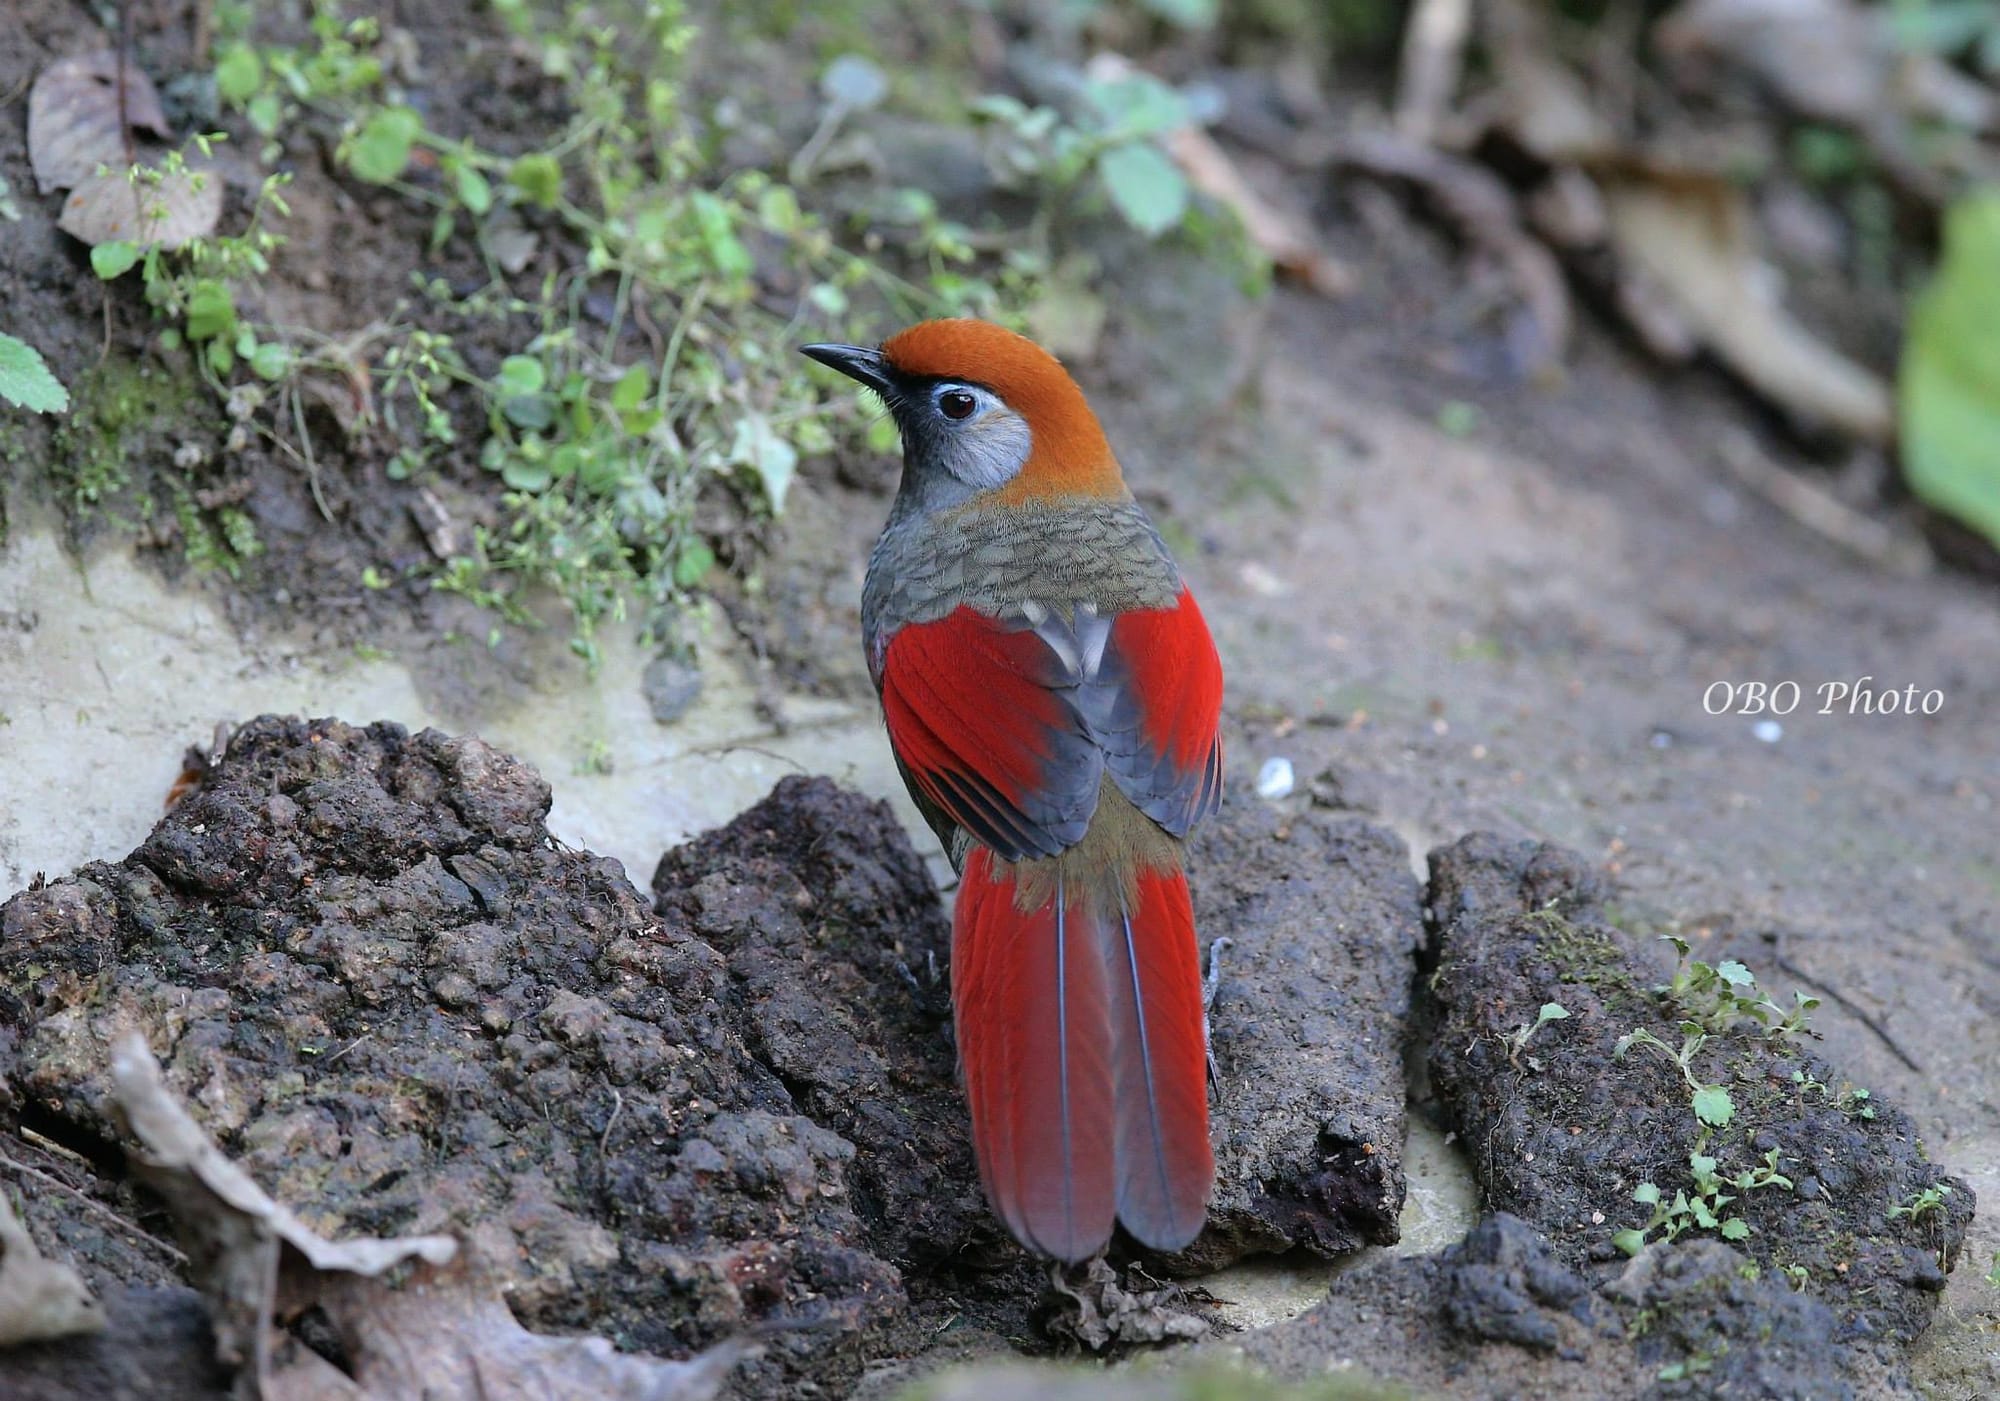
(1080, 1040)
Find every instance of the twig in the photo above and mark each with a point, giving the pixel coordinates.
(617, 1108)
(306, 446)
(345, 1049)
(124, 61)
(1433, 57)
(1822, 513)
(92, 1204)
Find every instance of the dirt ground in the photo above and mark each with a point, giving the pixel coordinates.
(1509, 630)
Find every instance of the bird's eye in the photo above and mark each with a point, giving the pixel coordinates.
(957, 403)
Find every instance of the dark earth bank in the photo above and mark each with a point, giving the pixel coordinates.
(387, 993)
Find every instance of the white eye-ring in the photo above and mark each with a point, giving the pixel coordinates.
(956, 402)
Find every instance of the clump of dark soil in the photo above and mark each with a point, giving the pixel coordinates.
(402, 1007)
(386, 992)
(1562, 1137)
(1503, 1316)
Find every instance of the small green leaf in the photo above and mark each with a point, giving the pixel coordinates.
(526, 476)
(1735, 974)
(1950, 374)
(1146, 188)
(693, 563)
(853, 83)
(633, 388)
(522, 374)
(1188, 14)
(533, 412)
(758, 447)
(538, 176)
(113, 259)
(473, 190)
(238, 74)
(211, 315)
(1736, 1228)
(25, 380)
(1646, 1194)
(1631, 1242)
(270, 360)
(380, 151)
(1713, 1106)
(1552, 1012)
(265, 113)
(725, 250)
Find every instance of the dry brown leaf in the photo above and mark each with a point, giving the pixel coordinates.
(1833, 60)
(1694, 240)
(446, 1336)
(40, 1298)
(117, 205)
(441, 1335)
(232, 1231)
(1277, 233)
(73, 117)
(1540, 102)
(1107, 1312)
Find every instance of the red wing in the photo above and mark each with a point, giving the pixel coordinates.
(1156, 710)
(981, 717)
(1007, 729)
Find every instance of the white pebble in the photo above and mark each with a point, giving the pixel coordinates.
(1275, 779)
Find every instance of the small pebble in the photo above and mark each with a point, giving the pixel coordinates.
(1769, 731)
(1275, 779)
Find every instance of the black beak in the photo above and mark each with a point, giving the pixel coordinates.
(856, 362)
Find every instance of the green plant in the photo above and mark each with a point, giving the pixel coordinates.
(600, 429)
(1720, 995)
(1926, 1202)
(25, 379)
(1110, 143)
(1853, 1102)
(1712, 1105)
(1949, 28)
(1517, 1040)
(1701, 1208)
(1949, 380)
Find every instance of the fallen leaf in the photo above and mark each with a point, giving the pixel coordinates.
(40, 1299)
(1106, 1311)
(1693, 239)
(1278, 234)
(1542, 104)
(233, 1232)
(163, 208)
(73, 117)
(1950, 376)
(446, 1336)
(1832, 60)
(441, 1333)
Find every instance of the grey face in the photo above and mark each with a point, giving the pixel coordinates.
(959, 439)
(963, 431)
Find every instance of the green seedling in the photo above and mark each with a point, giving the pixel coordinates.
(1517, 1040)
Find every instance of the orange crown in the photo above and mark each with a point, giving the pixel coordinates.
(1071, 456)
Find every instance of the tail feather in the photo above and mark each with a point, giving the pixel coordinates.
(1080, 1041)
(1028, 991)
(1159, 1065)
